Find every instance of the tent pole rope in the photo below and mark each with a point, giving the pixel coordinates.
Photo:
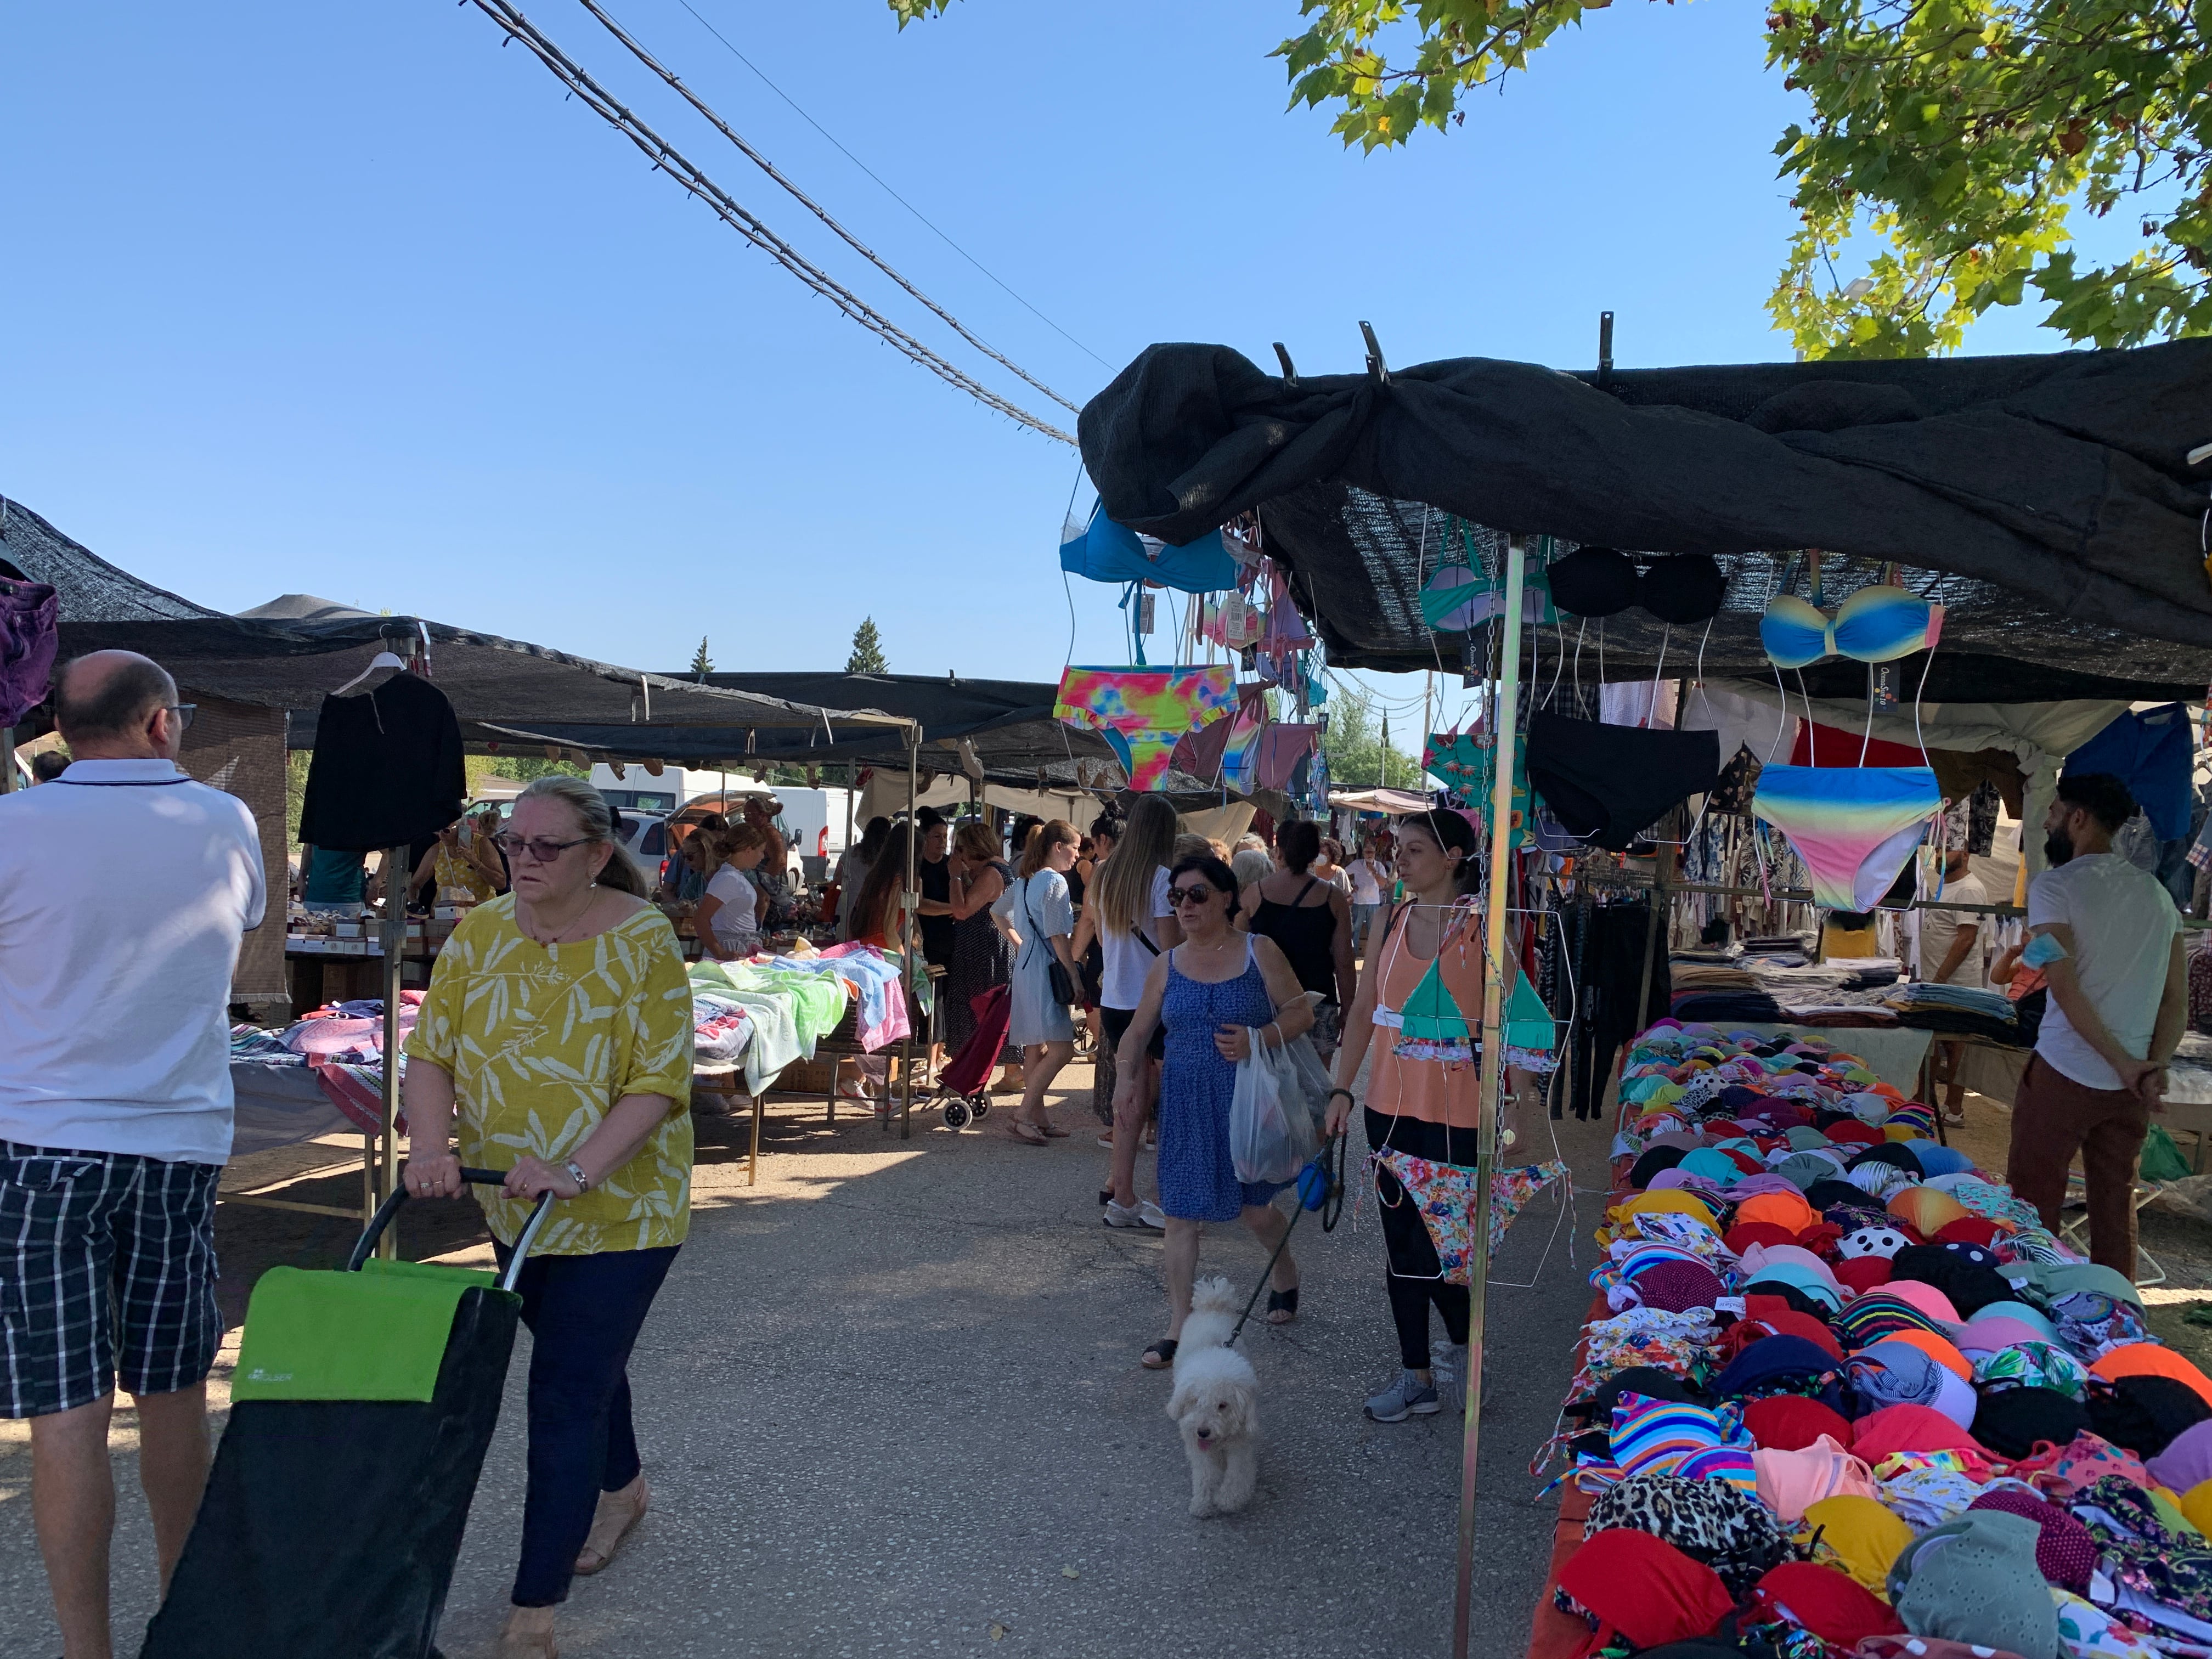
(1505, 709)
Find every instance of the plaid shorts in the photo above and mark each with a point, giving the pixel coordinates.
(107, 1272)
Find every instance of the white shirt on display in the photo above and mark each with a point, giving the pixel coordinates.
(2123, 924)
(124, 889)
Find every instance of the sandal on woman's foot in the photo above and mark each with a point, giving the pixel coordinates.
(1027, 1134)
(1053, 1131)
(612, 1522)
(1284, 1302)
(1160, 1355)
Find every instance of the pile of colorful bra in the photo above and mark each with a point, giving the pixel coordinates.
(1850, 1397)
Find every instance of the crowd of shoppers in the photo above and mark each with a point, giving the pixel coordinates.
(554, 1041)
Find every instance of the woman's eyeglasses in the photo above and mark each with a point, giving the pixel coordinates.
(541, 849)
(1179, 896)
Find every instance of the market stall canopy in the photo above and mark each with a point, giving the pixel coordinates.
(90, 589)
(1006, 725)
(292, 650)
(1398, 802)
(2046, 501)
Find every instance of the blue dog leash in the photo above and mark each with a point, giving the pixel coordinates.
(1321, 1187)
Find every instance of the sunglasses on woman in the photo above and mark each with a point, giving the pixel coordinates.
(1180, 897)
(540, 849)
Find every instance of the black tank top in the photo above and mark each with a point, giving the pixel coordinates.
(1303, 933)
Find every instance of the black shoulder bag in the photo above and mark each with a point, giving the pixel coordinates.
(1062, 984)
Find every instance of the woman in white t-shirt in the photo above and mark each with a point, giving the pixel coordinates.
(1126, 909)
(729, 916)
(1370, 876)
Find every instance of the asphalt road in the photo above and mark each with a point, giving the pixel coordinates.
(891, 1403)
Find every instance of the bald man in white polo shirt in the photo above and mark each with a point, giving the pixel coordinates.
(125, 888)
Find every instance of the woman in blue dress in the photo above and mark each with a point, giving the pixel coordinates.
(1210, 990)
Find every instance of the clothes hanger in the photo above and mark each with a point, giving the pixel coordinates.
(383, 664)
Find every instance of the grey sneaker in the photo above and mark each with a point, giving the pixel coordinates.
(1144, 1215)
(1447, 1369)
(1408, 1397)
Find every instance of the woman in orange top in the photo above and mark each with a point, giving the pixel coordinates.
(1425, 1107)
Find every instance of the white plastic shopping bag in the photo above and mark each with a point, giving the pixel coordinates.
(1275, 1115)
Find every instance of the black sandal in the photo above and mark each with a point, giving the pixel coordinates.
(1283, 1302)
(1165, 1350)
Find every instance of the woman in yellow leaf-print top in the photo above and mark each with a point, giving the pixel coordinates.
(557, 1030)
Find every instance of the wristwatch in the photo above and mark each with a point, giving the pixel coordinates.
(576, 1174)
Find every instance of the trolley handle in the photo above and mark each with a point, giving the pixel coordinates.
(390, 1207)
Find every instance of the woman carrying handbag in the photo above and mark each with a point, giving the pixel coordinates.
(1044, 974)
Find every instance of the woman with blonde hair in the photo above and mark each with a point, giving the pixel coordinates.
(1041, 1027)
(1130, 913)
(729, 916)
(556, 1037)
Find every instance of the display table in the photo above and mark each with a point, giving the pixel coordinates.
(280, 1106)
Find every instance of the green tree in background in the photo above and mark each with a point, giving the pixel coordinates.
(1354, 746)
(867, 656)
(702, 664)
(528, 768)
(1950, 148)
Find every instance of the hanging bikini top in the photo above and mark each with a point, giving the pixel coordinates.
(1602, 581)
(1875, 624)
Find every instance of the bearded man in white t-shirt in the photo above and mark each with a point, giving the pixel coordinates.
(2108, 939)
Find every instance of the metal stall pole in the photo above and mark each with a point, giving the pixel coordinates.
(910, 943)
(1505, 710)
(394, 934)
(1662, 868)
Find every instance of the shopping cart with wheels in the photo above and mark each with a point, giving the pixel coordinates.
(362, 1406)
(963, 1084)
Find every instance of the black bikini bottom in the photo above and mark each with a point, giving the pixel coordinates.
(1608, 784)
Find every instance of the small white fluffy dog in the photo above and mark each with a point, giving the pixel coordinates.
(1216, 1403)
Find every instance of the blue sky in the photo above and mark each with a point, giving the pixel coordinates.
(350, 300)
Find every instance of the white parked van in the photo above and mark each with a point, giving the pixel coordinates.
(816, 816)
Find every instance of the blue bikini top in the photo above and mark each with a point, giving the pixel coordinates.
(1875, 624)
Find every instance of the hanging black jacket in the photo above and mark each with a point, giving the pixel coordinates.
(388, 767)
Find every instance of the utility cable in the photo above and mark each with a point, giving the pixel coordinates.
(676, 84)
(888, 192)
(666, 159)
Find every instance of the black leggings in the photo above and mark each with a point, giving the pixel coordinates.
(1414, 1277)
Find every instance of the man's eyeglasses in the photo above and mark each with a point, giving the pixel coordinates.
(1180, 897)
(541, 849)
(182, 712)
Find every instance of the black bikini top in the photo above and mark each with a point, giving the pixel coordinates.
(1598, 581)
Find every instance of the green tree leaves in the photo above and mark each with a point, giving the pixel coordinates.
(1951, 149)
(867, 656)
(1357, 759)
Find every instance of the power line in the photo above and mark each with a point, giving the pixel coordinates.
(888, 192)
(666, 159)
(852, 241)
